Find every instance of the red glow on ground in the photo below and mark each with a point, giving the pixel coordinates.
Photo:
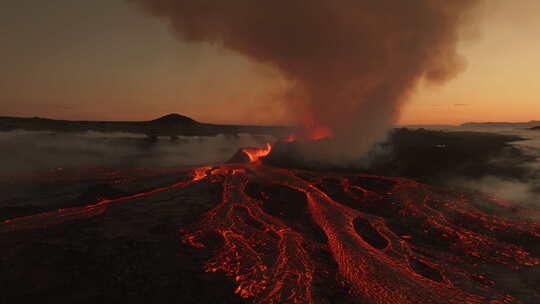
(271, 262)
(319, 132)
(310, 133)
(290, 138)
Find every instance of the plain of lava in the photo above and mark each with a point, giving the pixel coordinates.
(292, 236)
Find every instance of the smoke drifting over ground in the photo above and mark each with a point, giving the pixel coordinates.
(24, 153)
(350, 63)
(522, 191)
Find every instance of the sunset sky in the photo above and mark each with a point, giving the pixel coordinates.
(107, 60)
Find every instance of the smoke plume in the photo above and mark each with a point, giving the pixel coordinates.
(351, 63)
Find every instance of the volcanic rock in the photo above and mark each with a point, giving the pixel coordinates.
(239, 157)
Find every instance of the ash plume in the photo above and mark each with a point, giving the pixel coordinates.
(351, 63)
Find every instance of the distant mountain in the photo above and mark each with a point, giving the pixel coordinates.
(171, 125)
(174, 119)
(427, 126)
(530, 124)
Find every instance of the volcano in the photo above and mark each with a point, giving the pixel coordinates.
(249, 232)
(174, 118)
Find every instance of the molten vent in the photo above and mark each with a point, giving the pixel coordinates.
(255, 154)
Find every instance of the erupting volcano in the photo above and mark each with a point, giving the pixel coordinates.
(311, 196)
(289, 236)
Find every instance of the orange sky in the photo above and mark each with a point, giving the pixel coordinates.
(105, 60)
(502, 80)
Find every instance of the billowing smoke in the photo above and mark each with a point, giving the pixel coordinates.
(351, 63)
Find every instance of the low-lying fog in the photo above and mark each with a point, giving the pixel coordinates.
(518, 191)
(25, 153)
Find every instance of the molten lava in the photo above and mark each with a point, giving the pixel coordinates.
(319, 132)
(311, 131)
(255, 153)
(290, 138)
(387, 240)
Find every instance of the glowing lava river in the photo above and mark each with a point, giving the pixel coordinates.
(288, 236)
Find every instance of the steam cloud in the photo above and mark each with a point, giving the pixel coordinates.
(351, 63)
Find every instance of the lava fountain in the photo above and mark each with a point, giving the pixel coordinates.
(254, 154)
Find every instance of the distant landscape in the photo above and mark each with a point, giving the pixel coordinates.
(174, 125)
(441, 155)
(529, 124)
(171, 125)
(270, 152)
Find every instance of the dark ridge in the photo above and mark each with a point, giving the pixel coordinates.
(174, 119)
(369, 234)
(532, 123)
(171, 125)
(425, 270)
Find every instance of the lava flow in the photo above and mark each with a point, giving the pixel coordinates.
(286, 236)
